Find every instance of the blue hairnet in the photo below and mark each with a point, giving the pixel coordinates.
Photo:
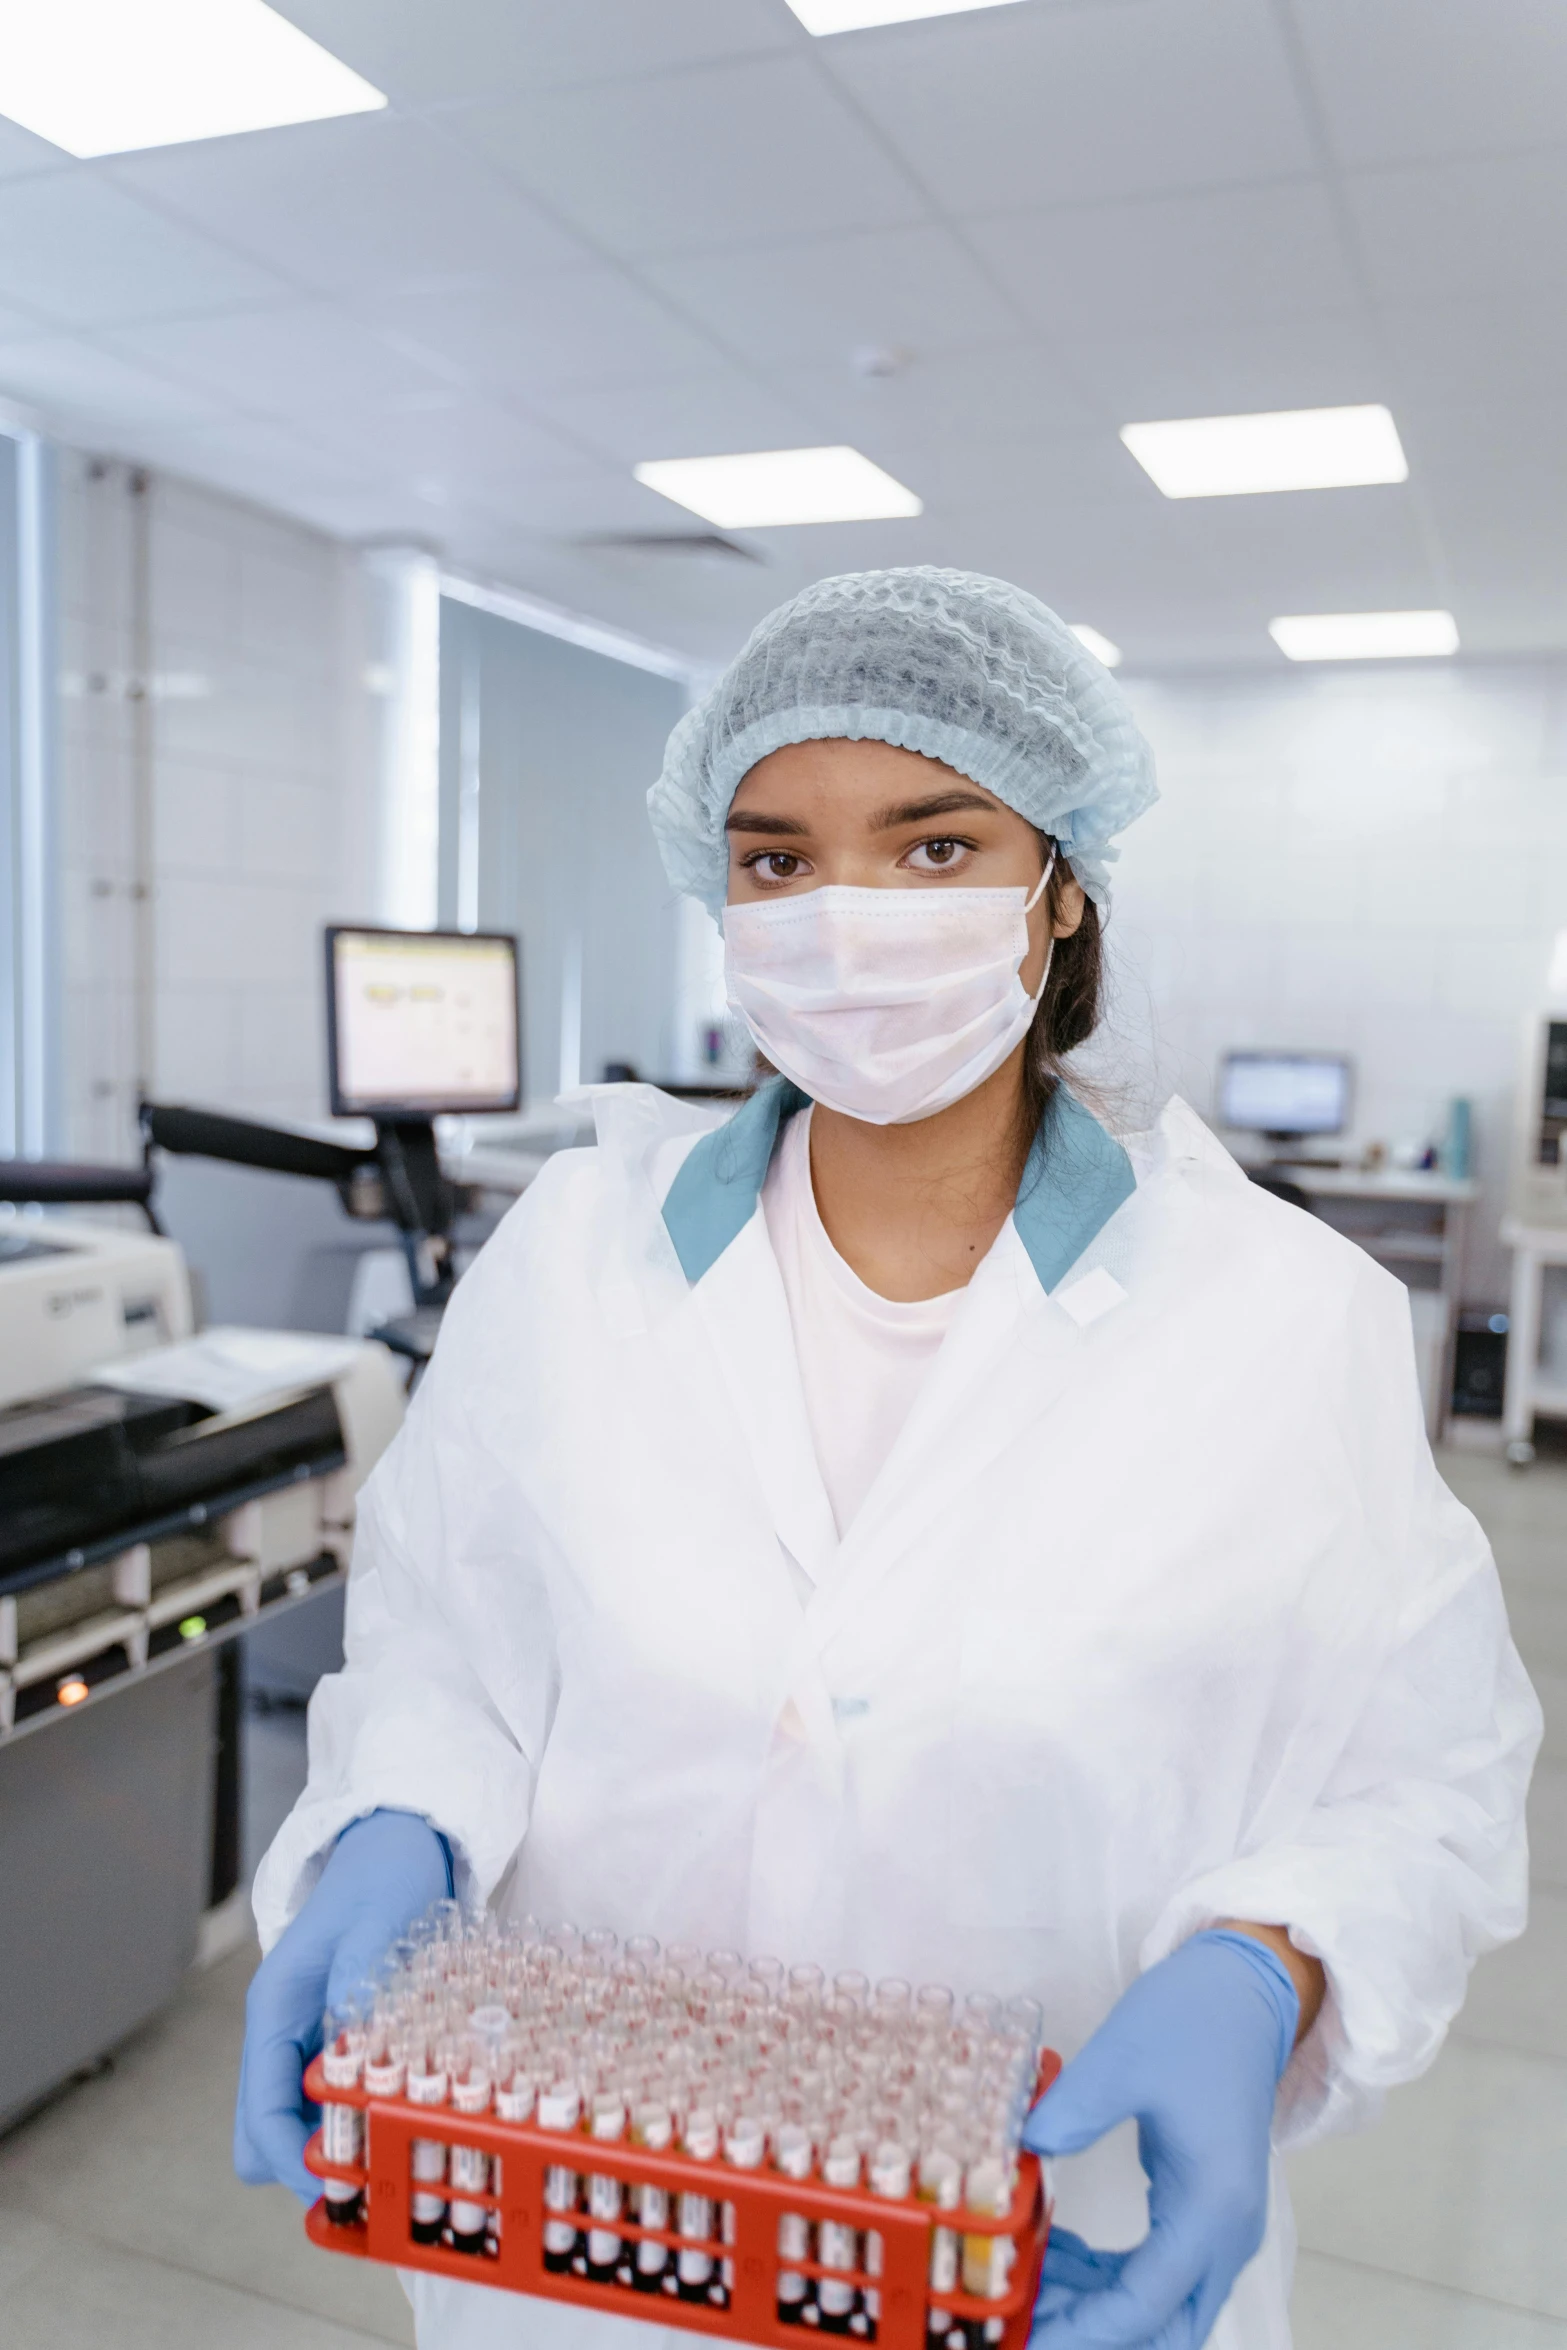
(962, 668)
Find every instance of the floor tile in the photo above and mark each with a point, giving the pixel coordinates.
(145, 2148)
(1505, 1500)
(1463, 2183)
(1518, 1995)
(24, 2242)
(84, 2292)
(1539, 1620)
(1551, 1689)
(1548, 1827)
(1339, 2305)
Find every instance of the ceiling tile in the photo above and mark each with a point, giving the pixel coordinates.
(1473, 353)
(1319, 362)
(1490, 228)
(706, 415)
(359, 205)
(451, 444)
(821, 299)
(1004, 110)
(466, 49)
(994, 402)
(285, 360)
(580, 327)
(82, 253)
(1227, 257)
(265, 462)
(1407, 80)
(764, 149)
(76, 381)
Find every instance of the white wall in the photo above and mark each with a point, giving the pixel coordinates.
(1366, 860)
(560, 744)
(243, 629)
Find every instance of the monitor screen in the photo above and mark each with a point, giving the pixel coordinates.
(421, 1021)
(1284, 1093)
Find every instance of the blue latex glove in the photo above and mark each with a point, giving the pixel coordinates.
(383, 1872)
(1195, 2050)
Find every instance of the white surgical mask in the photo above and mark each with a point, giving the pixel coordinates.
(886, 1004)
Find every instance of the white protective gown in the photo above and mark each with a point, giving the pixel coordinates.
(1157, 1613)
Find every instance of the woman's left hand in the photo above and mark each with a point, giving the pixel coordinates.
(1194, 2050)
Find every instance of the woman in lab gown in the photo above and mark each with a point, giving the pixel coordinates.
(926, 1531)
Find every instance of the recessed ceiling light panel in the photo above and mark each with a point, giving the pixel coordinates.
(100, 77)
(1290, 449)
(774, 486)
(1364, 636)
(852, 16)
(1092, 642)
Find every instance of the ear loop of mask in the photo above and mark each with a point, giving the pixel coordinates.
(1050, 951)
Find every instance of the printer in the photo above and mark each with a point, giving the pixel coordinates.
(162, 1491)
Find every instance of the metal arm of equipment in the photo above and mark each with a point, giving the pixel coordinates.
(65, 1183)
(400, 1178)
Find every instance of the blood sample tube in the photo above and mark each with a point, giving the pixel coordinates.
(890, 2176)
(343, 2126)
(469, 2166)
(837, 2243)
(745, 2146)
(426, 2085)
(941, 2183)
(792, 2157)
(650, 2127)
(987, 2260)
(694, 2222)
(560, 2108)
(605, 2194)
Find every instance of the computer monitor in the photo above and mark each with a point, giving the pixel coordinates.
(1285, 1095)
(421, 1021)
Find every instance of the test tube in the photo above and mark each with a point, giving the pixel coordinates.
(836, 2240)
(941, 2183)
(745, 2145)
(343, 2126)
(792, 2157)
(987, 2260)
(605, 2194)
(890, 2176)
(426, 2085)
(694, 2270)
(560, 2108)
(894, 1999)
(651, 2127)
(469, 2166)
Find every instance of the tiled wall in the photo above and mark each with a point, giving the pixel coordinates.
(1370, 861)
(242, 626)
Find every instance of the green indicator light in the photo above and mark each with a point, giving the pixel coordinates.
(193, 1627)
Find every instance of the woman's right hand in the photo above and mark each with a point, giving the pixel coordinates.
(383, 1872)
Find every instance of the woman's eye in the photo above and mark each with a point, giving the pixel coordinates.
(936, 856)
(774, 865)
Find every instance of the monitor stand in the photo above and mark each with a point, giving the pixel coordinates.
(422, 1204)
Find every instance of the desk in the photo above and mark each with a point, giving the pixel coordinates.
(1417, 1224)
(1531, 1387)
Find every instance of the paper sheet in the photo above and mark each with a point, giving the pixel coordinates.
(229, 1370)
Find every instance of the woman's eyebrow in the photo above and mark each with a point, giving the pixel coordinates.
(946, 803)
(745, 820)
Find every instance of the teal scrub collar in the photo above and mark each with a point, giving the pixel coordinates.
(1075, 1178)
